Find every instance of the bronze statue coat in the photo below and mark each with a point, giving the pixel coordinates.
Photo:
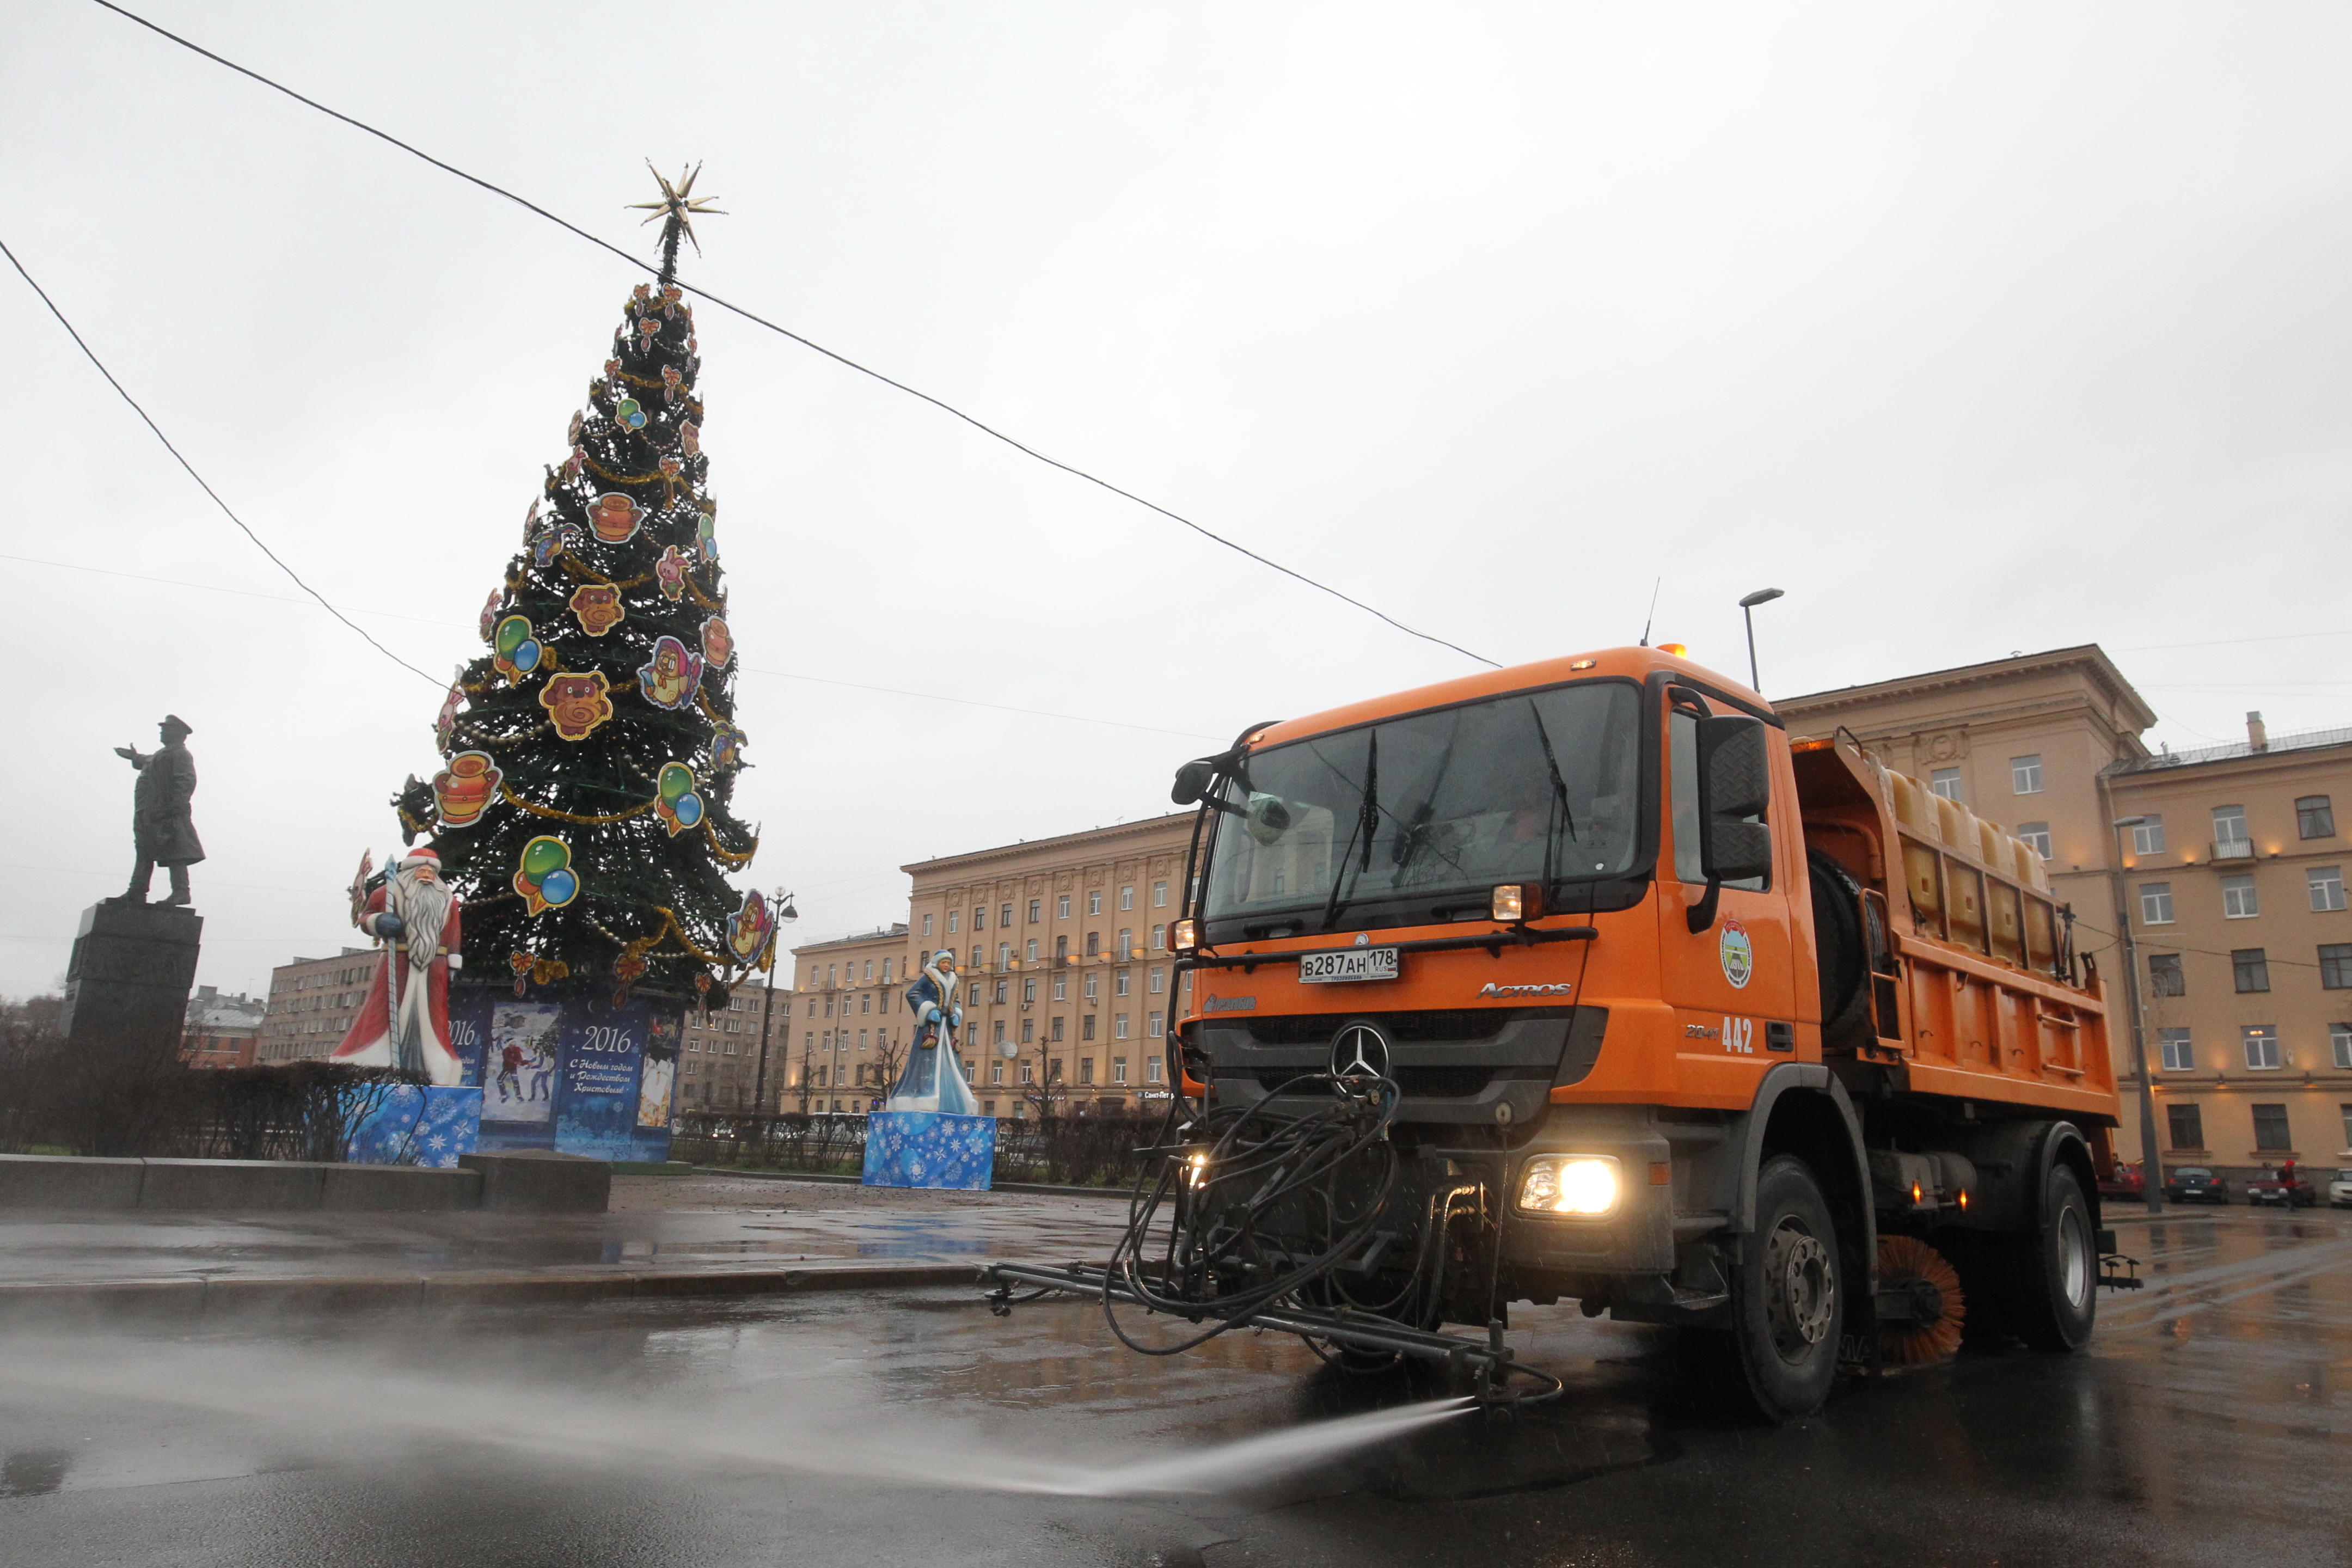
(160, 821)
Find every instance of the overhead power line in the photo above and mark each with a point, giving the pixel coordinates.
(226, 512)
(758, 320)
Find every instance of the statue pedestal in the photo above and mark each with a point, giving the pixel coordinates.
(127, 983)
(930, 1149)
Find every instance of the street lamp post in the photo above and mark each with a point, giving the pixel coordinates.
(2151, 1186)
(1748, 612)
(785, 914)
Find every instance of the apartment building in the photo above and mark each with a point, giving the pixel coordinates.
(2231, 876)
(718, 1056)
(1069, 981)
(223, 1031)
(312, 1002)
(848, 1006)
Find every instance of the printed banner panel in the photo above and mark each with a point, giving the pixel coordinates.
(930, 1149)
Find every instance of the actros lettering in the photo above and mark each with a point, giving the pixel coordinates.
(1559, 989)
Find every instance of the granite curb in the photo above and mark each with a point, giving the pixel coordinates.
(828, 1178)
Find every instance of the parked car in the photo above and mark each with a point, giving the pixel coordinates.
(2283, 1188)
(2195, 1184)
(2339, 1191)
(2127, 1182)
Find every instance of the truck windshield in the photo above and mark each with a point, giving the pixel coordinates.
(1536, 786)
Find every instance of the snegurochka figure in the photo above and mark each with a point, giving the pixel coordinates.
(161, 826)
(933, 1079)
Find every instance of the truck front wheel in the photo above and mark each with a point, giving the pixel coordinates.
(1780, 1356)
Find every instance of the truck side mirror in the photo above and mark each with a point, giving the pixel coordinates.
(1192, 780)
(1734, 783)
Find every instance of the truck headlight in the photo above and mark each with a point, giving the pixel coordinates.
(1570, 1183)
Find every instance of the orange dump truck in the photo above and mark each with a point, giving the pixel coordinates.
(1671, 1013)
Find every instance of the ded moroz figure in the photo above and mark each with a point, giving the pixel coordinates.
(404, 1021)
(161, 826)
(933, 1079)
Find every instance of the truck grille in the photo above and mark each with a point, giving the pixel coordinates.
(1420, 1082)
(1460, 1026)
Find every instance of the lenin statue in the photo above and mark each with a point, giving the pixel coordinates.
(161, 823)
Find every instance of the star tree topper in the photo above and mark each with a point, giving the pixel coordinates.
(676, 211)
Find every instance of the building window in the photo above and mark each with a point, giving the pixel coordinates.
(996, 1071)
(1004, 914)
(2164, 975)
(1151, 1072)
(1118, 1069)
(1945, 782)
(1029, 990)
(1127, 898)
(1003, 954)
(1094, 987)
(1094, 903)
(1086, 1028)
(2339, 1041)
(2314, 817)
(927, 925)
(975, 955)
(1031, 950)
(1158, 938)
(999, 1031)
(1028, 1031)
(2179, 1055)
(2188, 1126)
(1158, 895)
(2271, 1128)
(1086, 1069)
(1026, 1076)
(2335, 965)
(2155, 903)
(2249, 969)
(1094, 943)
(1002, 991)
(2036, 834)
(2262, 1048)
(1054, 1032)
(1036, 910)
(954, 915)
(1118, 1028)
(2326, 885)
(2229, 839)
(2238, 901)
(2025, 774)
(1054, 1070)
(1061, 988)
(1126, 944)
(1159, 1025)
(1062, 908)
(1124, 983)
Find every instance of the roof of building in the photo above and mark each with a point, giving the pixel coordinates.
(2236, 751)
(1065, 840)
(2091, 655)
(879, 933)
(208, 1009)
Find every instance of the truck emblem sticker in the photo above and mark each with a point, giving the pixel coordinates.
(1491, 989)
(1738, 954)
(1230, 1005)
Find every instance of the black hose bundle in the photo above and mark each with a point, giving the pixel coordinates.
(1327, 1174)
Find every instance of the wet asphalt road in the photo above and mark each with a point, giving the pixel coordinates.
(2211, 1423)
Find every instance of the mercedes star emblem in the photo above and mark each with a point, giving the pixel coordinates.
(1360, 1051)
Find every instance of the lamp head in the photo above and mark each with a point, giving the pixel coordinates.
(1761, 596)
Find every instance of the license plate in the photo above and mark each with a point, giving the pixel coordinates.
(1348, 964)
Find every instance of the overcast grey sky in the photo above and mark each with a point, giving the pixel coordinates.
(1975, 329)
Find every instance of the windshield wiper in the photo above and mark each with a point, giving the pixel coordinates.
(1367, 815)
(1558, 798)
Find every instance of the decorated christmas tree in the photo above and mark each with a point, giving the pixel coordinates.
(583, 809)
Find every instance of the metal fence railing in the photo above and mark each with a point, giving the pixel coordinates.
(1061, 1151)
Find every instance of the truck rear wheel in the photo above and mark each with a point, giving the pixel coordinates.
(2054, 1271)
(1788, 1301)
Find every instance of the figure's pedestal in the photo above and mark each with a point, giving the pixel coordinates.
(930, 1149)
(412, 1126)
(127, 983)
